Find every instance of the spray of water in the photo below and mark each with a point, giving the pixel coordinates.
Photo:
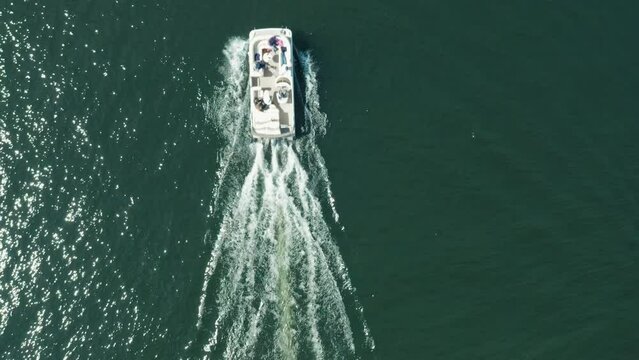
(275, 273)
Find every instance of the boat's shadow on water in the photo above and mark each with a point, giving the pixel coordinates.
(302, 125)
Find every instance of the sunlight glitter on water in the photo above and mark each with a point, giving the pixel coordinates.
(54, 260)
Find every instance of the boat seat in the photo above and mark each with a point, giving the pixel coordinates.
(266, 97)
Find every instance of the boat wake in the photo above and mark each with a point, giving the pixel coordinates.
(275, 285)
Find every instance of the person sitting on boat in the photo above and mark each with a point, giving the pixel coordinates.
(261, 104)
(275, 41)
(259, 65)
(284, 55)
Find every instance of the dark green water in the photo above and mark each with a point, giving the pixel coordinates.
(483, 159)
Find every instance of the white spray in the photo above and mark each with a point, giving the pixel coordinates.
(275, 272)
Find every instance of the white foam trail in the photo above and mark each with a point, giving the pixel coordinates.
(274, 263)
(229, 104)
(317, 127)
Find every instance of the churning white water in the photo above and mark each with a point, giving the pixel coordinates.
(275, 285)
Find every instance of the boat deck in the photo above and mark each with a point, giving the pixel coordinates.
(271, 80)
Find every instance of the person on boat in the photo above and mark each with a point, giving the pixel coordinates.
(275, 41)
(284, 55)
(259, 65)
(261, 105)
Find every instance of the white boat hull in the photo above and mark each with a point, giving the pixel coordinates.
(271, 84)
